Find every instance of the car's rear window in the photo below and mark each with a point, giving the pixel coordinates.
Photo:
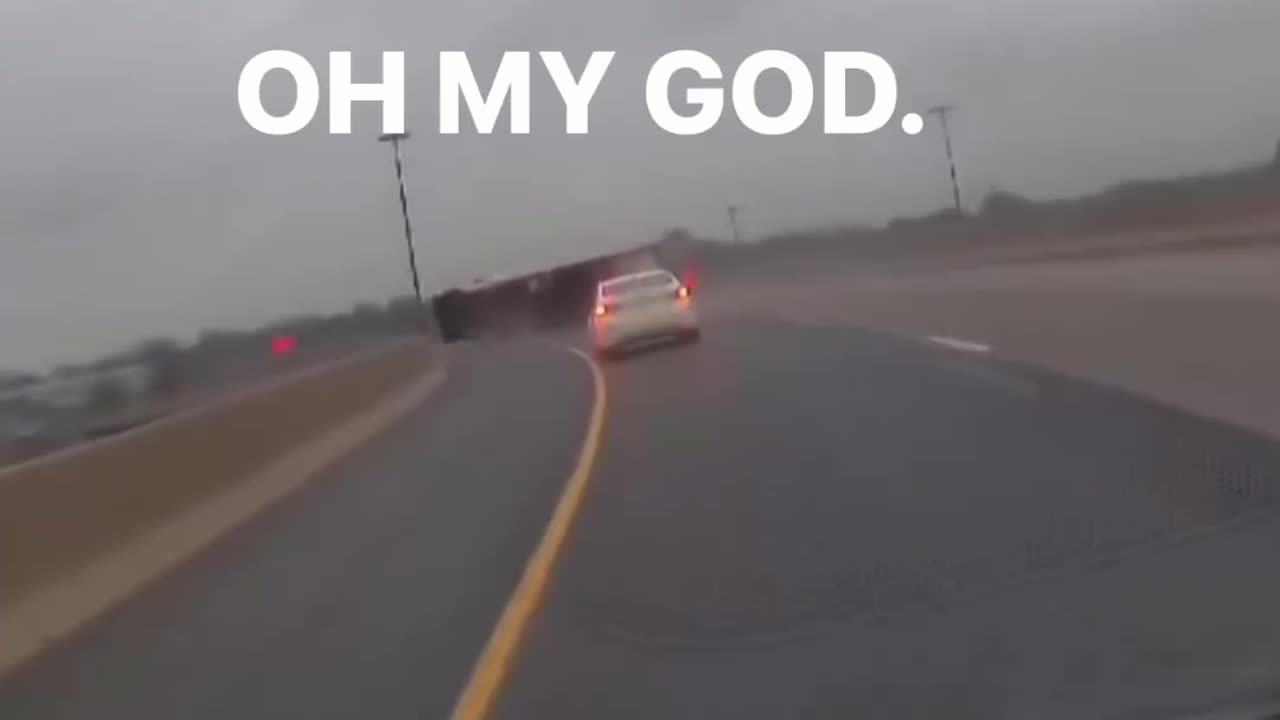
(623, 286)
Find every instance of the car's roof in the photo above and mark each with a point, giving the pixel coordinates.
(620, 279)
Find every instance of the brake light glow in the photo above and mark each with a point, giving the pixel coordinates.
(683, 292)
(601, 310)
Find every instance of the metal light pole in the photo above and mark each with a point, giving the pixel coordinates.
(394, 139)
(733, 222)
(942, 111)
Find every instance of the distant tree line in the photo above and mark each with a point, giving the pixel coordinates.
(1148, 204)
(17, 380)
(228, 356)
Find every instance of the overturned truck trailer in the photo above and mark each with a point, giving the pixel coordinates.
(558, 297)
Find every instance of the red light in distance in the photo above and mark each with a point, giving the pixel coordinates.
(283, 344)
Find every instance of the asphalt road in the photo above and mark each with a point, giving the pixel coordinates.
(368, 594)
(782, 522)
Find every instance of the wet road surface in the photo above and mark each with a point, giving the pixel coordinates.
(781, 522)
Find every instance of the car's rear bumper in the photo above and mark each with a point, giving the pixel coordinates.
(610, 335)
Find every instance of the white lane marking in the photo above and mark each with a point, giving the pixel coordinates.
(957, 344)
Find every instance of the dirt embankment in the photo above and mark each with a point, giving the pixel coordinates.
(1186, 321)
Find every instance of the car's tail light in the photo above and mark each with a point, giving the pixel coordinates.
(682, 292)
(601, 310)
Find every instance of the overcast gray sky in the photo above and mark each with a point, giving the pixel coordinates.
(134, 199)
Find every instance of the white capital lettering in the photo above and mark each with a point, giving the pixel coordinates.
(512, 79)
(710, 101)
(249, 93)
(744, 92)
(343, 92)
(883, 80)
(576, 94)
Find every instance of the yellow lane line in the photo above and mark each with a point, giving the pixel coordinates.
(495, 662)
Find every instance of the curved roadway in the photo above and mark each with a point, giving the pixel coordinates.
(781, 522)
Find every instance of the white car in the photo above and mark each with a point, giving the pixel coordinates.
(639, 307)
